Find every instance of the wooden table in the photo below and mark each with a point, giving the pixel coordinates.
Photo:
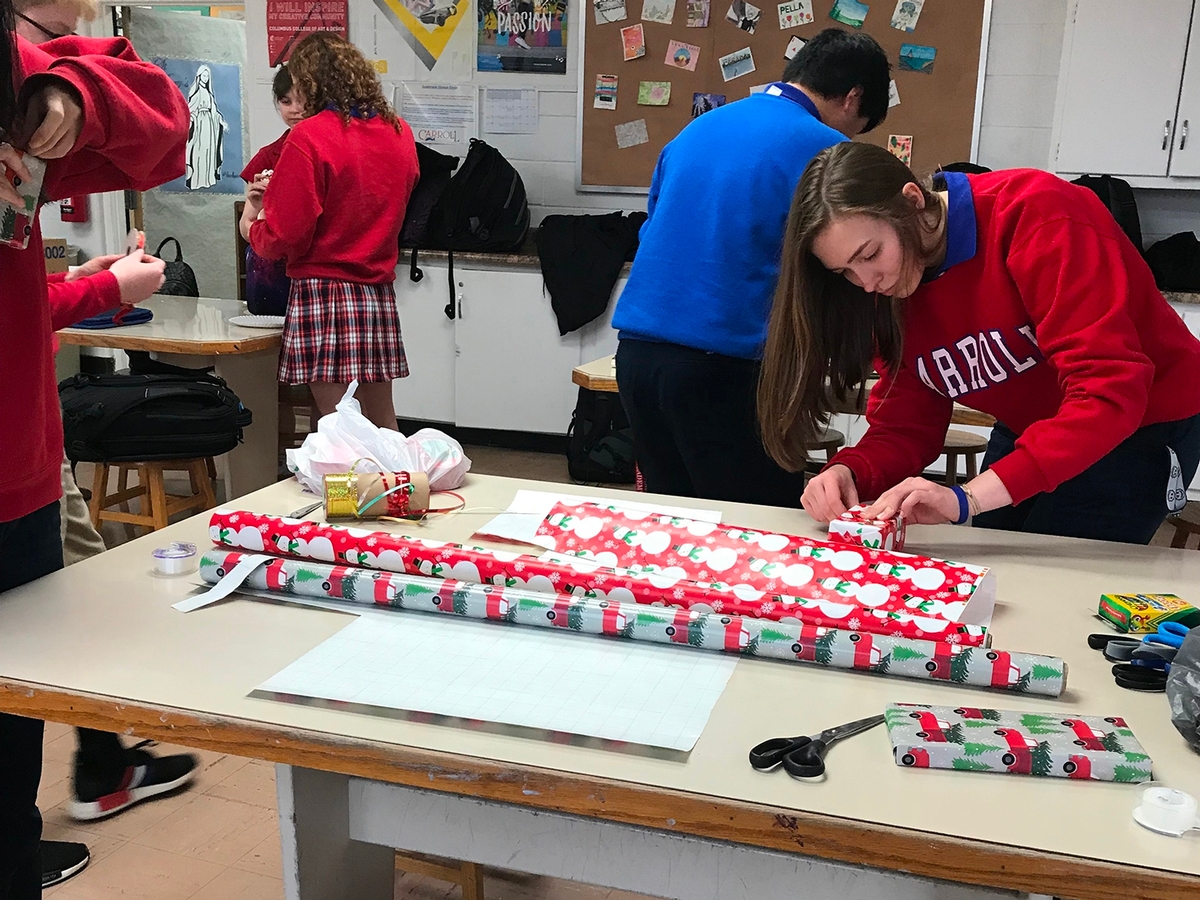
(98, 645)
(197, 333)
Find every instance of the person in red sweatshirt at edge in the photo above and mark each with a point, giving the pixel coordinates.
(333, 209)
(1013, 293)
(103, 120)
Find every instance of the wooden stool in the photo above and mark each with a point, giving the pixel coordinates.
(465, 874)
(1187, 523)
(294, 400)
(157, 505)
(831, 440)
(965, 444)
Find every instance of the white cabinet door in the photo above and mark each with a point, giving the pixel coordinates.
(1119, 87)
(1185, 155)
(428, 392)
(513, 370)
(599, 338)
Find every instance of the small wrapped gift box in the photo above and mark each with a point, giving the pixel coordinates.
(876, 534)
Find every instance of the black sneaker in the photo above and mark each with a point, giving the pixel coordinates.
(61, 860)
(145, 776)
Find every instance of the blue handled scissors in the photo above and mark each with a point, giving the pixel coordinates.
(1158, 650)
(804, 756)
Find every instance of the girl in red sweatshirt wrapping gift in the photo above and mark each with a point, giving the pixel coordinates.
(333, 209)
(1013, 293)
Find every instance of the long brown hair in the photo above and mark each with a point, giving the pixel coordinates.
(330, 72)
(825, 332)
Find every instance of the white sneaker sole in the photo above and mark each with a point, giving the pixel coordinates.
(111, 804)
(68, 872)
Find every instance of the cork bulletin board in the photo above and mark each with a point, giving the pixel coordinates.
(937, 106)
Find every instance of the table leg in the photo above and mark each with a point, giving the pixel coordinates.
(320, 861)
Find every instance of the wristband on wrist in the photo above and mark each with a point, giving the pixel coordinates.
(972, 500)
(964, 507)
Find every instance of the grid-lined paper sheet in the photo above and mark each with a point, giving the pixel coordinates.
(581, 684)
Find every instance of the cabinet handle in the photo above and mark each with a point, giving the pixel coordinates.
(1183, 137)
(1166, 134)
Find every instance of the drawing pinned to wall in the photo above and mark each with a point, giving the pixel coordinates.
(661, 11)
(610, 11)
(630, 134)
(917, 58)
(633, 38)
(289, 21)
(736, 64)
(795, 45)
(743, 15)
(682, 56)
(606, 92)
(527, 36)
(893, 94)
(214, 144)
(697, 13)
(654, 93)
(849, 12)
(906, 14)
(795, 13)
(900, 146)
(425, 25)
(702, 103)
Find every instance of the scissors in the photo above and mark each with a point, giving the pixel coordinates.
(804, 756)
(1143, 663)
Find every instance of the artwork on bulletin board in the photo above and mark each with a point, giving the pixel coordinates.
(610, 11)
(697, 13)
(906, 15)
(527, 36)
(214, 145)
(915, 58)
(290, 21)
(702, 103)
(849, 12)
(661, 11)
(425, 25)
(743, 15)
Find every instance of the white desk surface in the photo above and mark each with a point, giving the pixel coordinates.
(105, 627)
(188, 325)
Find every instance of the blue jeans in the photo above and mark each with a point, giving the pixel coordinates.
(30, 547)
(1122, 497)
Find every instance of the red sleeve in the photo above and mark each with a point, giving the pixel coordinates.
(291, 205)
(265, 158)
(907, 430)
(135, 120)
(1074, 281)
(74, 301)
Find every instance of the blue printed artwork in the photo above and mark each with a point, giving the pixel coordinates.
(214, 146)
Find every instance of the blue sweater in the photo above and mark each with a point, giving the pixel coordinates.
(706, 269)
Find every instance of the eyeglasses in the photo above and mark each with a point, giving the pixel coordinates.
(50, 35)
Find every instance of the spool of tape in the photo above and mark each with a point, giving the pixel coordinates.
(1167, 811)
(178, 558)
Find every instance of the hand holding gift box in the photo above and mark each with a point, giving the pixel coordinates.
(852, 527)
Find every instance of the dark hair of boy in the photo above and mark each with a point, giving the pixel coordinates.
(8, 41)
(835, 62)
(282, 83)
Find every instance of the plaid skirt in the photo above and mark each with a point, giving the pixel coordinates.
(341, 331)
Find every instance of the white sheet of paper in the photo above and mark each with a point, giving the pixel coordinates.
(226, 586)
(510, 110)
(529, 508)
(438, 113)
(581, 684)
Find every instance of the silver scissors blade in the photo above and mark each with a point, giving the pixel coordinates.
(304, 510)
(829, 735)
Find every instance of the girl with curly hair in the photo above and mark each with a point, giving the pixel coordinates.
(333, 209)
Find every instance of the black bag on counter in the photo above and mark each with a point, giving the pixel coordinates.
(436, 172)
(483, 208)
(1175, 262)
(1117, 195)
(135, 418)
(180, 280)
(599, 440)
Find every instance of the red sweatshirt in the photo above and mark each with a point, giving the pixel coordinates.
(266, 158)
(1050, 322)
(135, 125)
(336, 202)
(74, 301)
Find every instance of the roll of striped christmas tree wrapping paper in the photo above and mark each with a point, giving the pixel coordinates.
(567, 574)
(787, 639)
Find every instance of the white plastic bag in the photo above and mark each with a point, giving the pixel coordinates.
(346, 436)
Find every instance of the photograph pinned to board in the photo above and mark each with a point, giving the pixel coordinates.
(528, 36)
(633, 39)
(893, 94)
(743, 15)
(849, 12)
(736, 64)
(917, 58)
(697, 13)
(682, 56)
(630, 134)
(795, 45)
(702, 103)
(904, 17)
(610, 11)
(661, 11)
(438, 113)
(606, 92)
(900, 146)
(213, 153)
(654, 93)
(795, 13)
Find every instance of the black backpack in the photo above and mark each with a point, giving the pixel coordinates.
(599, 440)
(1117, 195)
(1175, 262)
(135, 418)
(483, 208)
(180, 280)
(436, 170)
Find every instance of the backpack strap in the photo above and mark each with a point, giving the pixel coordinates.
(414, 274)
(178, 249)
(449, 310)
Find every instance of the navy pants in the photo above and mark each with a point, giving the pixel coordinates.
(30, 547)
(1123, 497)
(695, 427)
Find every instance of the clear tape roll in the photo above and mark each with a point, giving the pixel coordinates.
(1167, 811)
(178, 558)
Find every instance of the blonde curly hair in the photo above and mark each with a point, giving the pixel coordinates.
(330, 72)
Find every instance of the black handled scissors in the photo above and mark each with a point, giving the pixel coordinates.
(804, 756)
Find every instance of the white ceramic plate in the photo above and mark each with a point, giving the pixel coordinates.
(257, 321)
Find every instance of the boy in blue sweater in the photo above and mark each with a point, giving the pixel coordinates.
(693, 316)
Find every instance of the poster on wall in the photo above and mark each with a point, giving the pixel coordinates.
(438, 113)
(426, 25)
(522, 36)
(214, 145)
(289, 21)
